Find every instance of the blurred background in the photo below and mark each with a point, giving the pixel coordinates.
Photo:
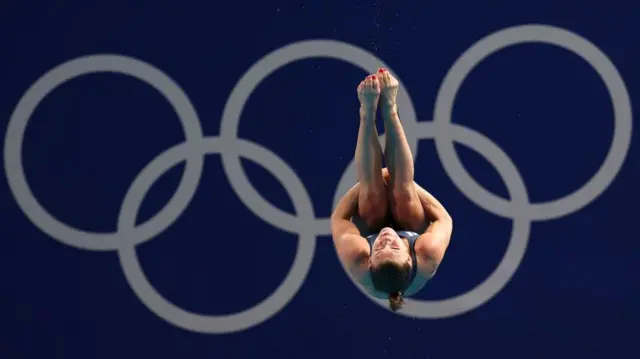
(574, 294)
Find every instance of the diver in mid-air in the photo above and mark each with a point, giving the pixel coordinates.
(404, 231)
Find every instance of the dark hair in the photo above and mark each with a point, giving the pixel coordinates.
(392, 278)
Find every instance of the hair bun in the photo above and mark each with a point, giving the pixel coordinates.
(396, 301)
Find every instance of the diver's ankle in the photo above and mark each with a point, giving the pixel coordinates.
(368, 111)
(388, 110)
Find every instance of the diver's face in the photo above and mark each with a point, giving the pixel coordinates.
(389, 247)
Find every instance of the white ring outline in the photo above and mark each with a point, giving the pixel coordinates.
(577, 45)
(240, 94)
(216, 324)
(516, 249)
(55, 77)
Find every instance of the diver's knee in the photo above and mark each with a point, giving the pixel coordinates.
(373, 206)
(407, 208)
(405, 194)
(373, 195)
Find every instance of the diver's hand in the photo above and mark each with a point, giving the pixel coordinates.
(369, 93)
(389, 91)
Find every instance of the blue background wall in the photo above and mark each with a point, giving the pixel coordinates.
(574, 295)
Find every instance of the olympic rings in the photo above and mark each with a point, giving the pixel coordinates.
(304, 223)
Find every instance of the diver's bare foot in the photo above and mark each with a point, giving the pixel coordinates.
(369, 93)
(388, 93)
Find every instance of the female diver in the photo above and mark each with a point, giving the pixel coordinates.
(390, 234)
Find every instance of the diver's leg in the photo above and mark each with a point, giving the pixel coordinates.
(405, 204)
(373, 202)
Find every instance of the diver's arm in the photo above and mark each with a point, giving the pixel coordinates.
(352, 248)
(433, 209)
(432, 244)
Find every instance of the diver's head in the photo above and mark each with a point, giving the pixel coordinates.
(390, 265)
